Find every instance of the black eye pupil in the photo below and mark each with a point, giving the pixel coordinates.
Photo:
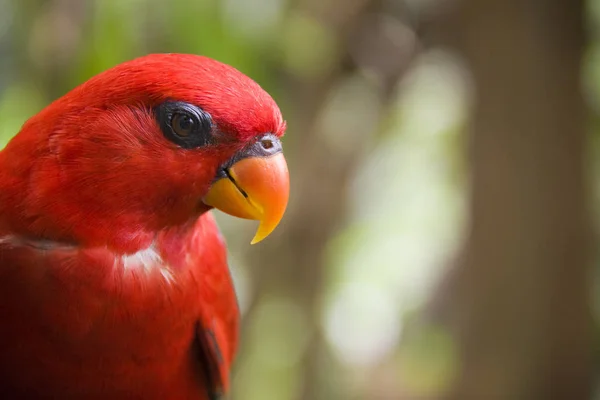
(182, 124)
(186, 123)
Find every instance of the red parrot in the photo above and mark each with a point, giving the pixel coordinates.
(114, 281)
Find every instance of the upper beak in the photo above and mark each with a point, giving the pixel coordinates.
(255, 187)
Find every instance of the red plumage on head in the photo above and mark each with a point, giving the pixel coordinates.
(239, 106)
(93, 167)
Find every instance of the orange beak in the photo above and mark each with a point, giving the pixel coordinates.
(255, 188)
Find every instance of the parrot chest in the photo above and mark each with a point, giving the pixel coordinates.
(84, 324)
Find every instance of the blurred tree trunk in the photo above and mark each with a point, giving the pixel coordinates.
(517, 303)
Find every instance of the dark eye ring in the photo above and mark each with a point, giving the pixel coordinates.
(183, 124)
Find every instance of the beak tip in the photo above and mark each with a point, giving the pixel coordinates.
(261, 234)
(256, 239)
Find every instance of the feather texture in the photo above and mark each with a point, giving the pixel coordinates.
(90, 324)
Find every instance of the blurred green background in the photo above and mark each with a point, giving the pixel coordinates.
(376, 104)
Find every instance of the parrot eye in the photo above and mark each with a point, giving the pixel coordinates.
(184, 124)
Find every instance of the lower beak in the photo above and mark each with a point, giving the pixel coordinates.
(255, 188)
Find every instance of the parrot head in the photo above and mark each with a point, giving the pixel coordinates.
(148, 145)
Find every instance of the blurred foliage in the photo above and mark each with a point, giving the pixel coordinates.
(405, 210)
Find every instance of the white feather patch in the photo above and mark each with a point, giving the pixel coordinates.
(148, 259)
(145, 259)
(7, 239)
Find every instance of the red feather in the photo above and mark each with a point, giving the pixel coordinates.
(113, 278)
